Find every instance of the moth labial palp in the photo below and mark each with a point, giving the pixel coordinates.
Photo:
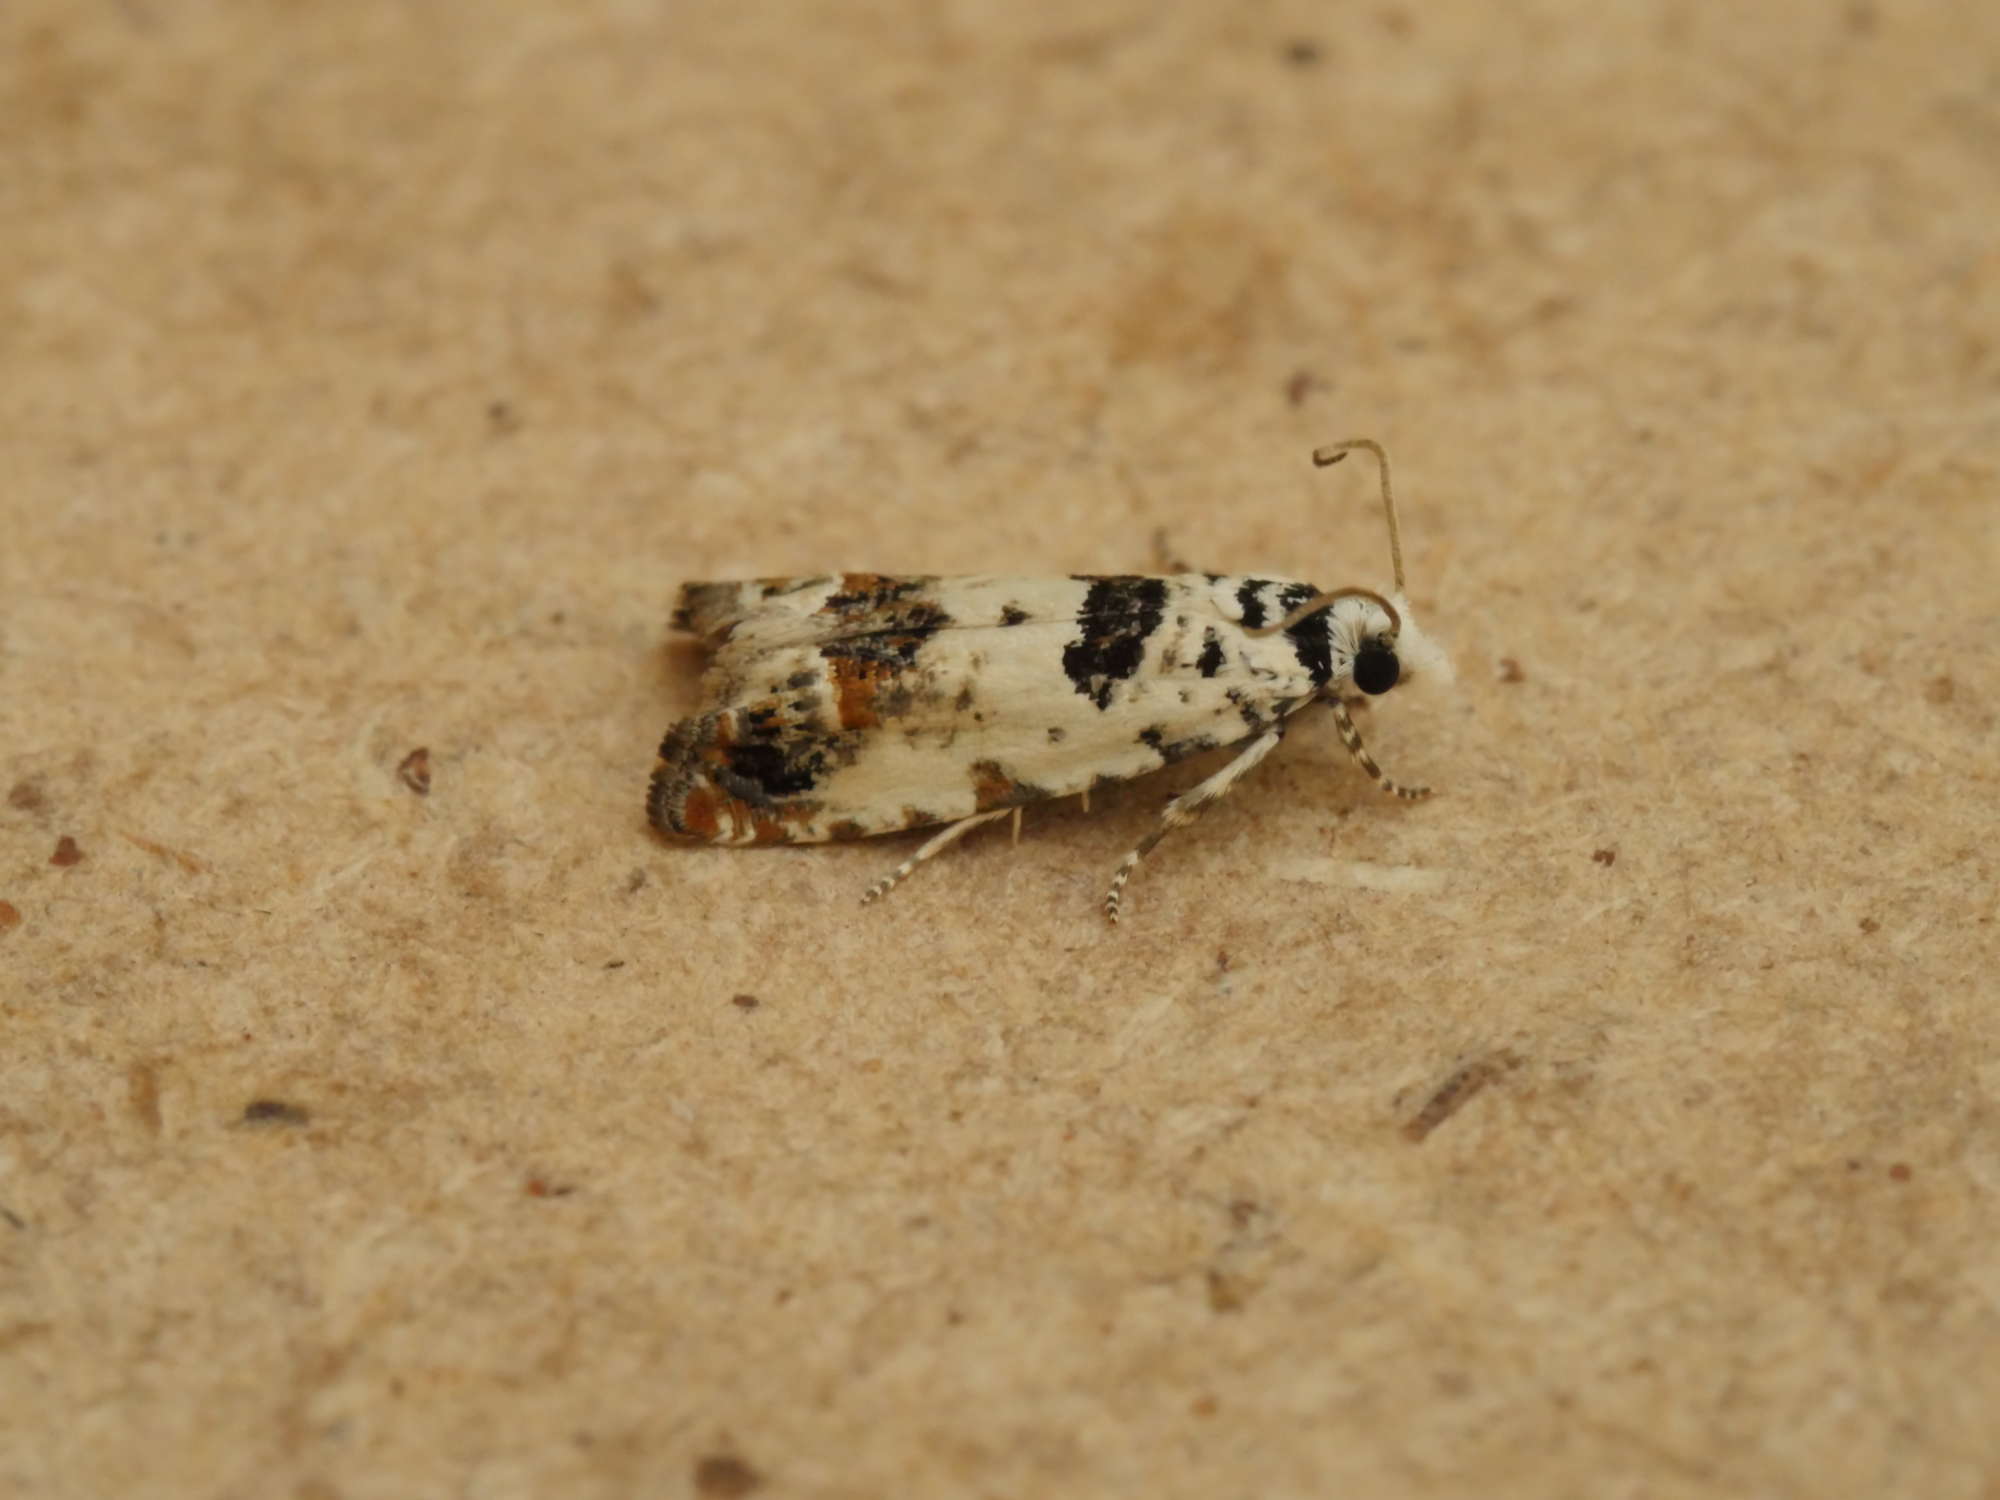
(848, 705)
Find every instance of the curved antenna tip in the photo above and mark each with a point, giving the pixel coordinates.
(1333, 453)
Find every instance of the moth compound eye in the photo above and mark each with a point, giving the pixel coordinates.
(1376, 668)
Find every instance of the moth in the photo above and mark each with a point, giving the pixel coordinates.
(849, 705)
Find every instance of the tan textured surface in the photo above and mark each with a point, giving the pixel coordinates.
(369, 374)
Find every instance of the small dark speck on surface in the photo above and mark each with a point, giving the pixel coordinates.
(1301, 385)
(14, 1220)
(67, 853)
(1457, 1091)
(1869, 924)
(415, 770)
(616, 963)
(1510, 670)
(541, 1187)
(1605, 856)
(745, 1002)
(724, 1476)
(275, 1112)
(1302, 52)
(1900, 1172)
(27, 796)
(1226, 1293)
(10, 916)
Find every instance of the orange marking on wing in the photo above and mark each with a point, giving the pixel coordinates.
(774, 825)
(991, 786)
(708, 812)
(856, 681)
(701, 812)
(864, 584)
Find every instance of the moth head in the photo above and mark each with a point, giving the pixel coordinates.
(1384, 645)
(1380, 639)
(1375, 667)
(1400, 653)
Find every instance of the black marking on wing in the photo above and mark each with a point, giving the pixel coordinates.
(1249, 598)
(862, 605)
(1169, 751)
(1312, 637)
(761, 772)
(765, 722)
(874, 677)
(1255, 712)
(1118, 615)
(883, 649)
(744, 774)
(919, 618)
(872, 593)
(1211, 658)
(1013, 614)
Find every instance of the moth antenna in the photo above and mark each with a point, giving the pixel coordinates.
(1326, 458)
(1319, 602)
(1332, 454)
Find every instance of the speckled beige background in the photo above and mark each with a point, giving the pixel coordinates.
(370, 374)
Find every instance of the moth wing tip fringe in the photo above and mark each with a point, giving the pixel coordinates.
(707, 608)
(672, 780)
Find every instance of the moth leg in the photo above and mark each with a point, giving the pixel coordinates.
(1185, 808)
(1351, 738)
(943, 839)
(1016, 841)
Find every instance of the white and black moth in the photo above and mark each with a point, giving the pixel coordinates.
(849, 705)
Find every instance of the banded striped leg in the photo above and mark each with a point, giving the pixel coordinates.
(1185, 808)
(937, 843)
(1351, 737)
